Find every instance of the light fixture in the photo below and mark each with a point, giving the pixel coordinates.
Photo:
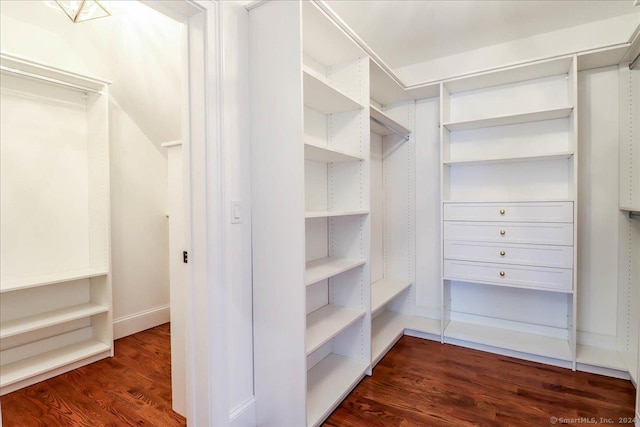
(83, 10)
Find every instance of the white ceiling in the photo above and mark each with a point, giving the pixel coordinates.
(405, 32)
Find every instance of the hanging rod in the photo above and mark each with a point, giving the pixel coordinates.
(56, 82)
(634, 215)
(390, 129)
(634, 62)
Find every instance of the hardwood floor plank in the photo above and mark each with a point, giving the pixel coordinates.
(425, 383)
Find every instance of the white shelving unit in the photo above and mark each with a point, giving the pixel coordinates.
(502, 131)
(55, 304)
(310, 151)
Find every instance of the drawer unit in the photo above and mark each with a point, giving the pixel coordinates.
(510, 253)
(509, 211)
(553, 279)
(532, 233)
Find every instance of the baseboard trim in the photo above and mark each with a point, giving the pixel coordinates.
(138, 322)
(244, 415)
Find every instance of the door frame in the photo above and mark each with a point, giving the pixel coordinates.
(202, 145)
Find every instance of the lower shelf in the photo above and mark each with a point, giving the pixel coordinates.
(601, 357)
(385, 290)
(327, 322)
(386, 329)
(328, 383)
(630, 360)
(539, 345)
(36, 365)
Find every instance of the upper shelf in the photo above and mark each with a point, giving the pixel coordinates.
(511, 159)
(325, 268)
(318, 153)
(320, 95)
(384, 125)
(512, 119)
(328, 214)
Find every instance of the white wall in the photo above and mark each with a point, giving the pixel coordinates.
(137, 49)
(595, 35)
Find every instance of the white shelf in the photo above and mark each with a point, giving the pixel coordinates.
(601, 357)
(324, 268)
(511, 159)
(328, 383)
(50, 279)
(555, 348)
(320, 95)
(387, 121)
(385, 290)
(630, 360)
(322, 154)
(511, 119)
(32, 323)
(327, 322)
(328, 214)
(32, 366)
(386, 329)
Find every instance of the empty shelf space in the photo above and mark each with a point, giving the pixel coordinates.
(50, 279)
(32, 366)
(320, 95)
(511, 159)
(327, 322)
(602, 357)
(328, 383)
(31, 323)
(386, 329)
(512, 119)
(322, 154)
(328, 214)
(385, 125)
(385, 290)
(545, 346)
(324, 268)
(424, 325)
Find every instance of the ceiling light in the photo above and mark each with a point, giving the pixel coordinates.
(82, 10)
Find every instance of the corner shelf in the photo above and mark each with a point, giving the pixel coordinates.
(50, 279)
(44, 362)
(329, 214)
(385, 290)
(327, 322)
(318, 153)
(511, 119)
(511, 159)
(321, 96)
(328, 383)
(32, 323)
(325, 268)
(384, 125)
(600, 357)
(540, 345)
(386, 329)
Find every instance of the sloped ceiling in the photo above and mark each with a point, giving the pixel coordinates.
(137, 49)
(406, 32)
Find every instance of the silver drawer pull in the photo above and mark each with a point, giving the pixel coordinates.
(502, 232)
(502, 253)
(502, 211)
(502, 273)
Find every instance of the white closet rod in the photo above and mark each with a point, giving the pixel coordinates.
(390, 129)
(56, 82)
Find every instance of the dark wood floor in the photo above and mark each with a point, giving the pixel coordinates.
(419, 383)
(131, 389)
(424, 383)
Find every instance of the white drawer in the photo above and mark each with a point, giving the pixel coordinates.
(509, 211)
(553, 279)
(514, 232)
(510, 253)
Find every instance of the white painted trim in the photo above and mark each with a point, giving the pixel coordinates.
(244, 415)
(171, 143)
(138, 322)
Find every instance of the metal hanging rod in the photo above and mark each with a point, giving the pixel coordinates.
(634, 62)
(56, 82)
(634, 215)
(390, 129)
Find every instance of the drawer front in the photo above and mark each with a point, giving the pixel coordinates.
(510, 253)
(534, 233)
(510, 211)
(555, 279)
